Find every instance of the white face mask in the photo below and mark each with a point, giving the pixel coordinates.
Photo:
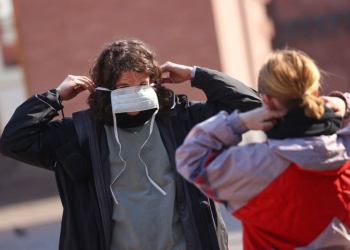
(133, 99)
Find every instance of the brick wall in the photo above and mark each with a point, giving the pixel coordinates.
(63, 37)
(322, 30)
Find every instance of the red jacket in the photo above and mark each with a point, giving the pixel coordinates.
(291, 193)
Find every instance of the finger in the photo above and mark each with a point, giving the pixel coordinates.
(88, 79)
(91, 87)
(331, 106)
(79, 90)
(265, 126)
(270, 115)
(324, 99)
(172, 79)
(83, 79)
(85, 83)
(166, 80)
(166, 67)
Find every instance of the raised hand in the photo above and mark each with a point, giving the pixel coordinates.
(335, 103)
(73, 85)
(260, 118)
(177, 72)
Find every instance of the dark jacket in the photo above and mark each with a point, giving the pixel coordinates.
(76, 150)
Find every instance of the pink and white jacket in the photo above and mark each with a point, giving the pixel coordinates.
(288, 194)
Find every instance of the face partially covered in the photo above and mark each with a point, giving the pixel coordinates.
(132, 79)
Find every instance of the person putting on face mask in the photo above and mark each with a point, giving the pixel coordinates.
(292, 191)
(115, 162)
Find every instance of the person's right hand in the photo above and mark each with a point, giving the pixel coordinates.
(178, 73)
(335, 103)
(260, 118)
(73, 85)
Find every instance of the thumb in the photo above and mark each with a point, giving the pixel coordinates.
(167, 79)
(265, 126)
(272, 114)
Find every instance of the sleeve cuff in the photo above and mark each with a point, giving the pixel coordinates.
(52, 98)
(236, 123)
(193, 73)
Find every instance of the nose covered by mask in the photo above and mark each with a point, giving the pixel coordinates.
(133, 99)
(142, 99)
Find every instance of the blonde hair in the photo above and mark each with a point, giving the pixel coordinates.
(292, 78)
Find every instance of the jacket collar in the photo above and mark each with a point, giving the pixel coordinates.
(296, 124)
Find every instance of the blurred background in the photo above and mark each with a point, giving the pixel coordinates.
(41, 42)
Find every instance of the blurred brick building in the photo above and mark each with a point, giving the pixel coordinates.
(54, 39)
(321, 29)
(63, 37)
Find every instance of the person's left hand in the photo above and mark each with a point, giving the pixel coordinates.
(260, 118)
(178, 73)
(336, 104)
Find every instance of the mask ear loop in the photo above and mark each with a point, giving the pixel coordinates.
(102, 88)
(139, 154)
(120, 148)
(121, 158)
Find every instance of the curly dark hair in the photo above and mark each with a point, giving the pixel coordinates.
(118, 57)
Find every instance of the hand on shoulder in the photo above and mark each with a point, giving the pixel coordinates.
(260, 118)
(337, 104)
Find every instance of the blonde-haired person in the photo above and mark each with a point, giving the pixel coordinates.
(292, 191)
